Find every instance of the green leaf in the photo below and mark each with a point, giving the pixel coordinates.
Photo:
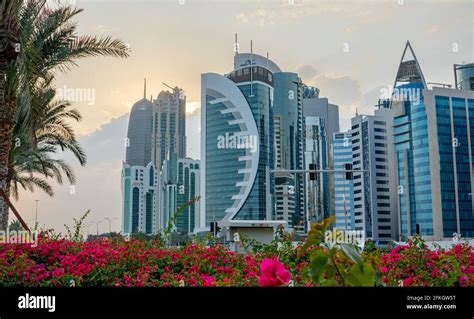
(351, 252)
(316, 234)
(316, 267)
(360, 275)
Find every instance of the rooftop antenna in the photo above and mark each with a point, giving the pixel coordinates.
(357, 112)
(144, 89)
(236, 45)
(268, 58)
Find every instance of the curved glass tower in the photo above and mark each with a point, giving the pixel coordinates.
(237, 140)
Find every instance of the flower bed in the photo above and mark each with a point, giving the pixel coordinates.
(141, 263)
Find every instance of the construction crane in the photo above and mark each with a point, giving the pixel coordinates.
(167, 85)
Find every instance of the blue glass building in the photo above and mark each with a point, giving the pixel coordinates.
(434, 152)
(237, 132)
(343, 188)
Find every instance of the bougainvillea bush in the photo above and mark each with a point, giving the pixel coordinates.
(120, 263)
(416, 265)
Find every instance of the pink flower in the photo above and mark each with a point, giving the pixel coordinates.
(384, 270)
(208, 281)
(408, 282)
(274, 273)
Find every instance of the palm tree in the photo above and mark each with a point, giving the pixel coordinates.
(49, 43)
(30, 166)
(9, 39)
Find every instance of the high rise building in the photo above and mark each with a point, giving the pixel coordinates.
(237, 146)
(373, 205)
(169, 125)
(179, 186)
(316, 157)
(156, 131)
(464, 76)
(288, 128)
(434, 151)
(139, 188)
(139, 135)
(343, 185)
(319, 116)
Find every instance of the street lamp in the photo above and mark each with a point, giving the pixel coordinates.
(88, 226)
(36, 211)
(97, 224)
(110, 222)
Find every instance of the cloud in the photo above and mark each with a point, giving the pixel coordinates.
(193, 108)
(286, 12)
(341, 90)
(306, 72)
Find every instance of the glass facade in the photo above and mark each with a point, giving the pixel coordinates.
(259, 97)
(464, 76)
(239, 106)
(454, 144)
(413, 155)
(222, 166)
(289, 143)
(343, 188)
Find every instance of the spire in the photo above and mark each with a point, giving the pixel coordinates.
(357, 112)
(236, 45)
(144, 89)
(409, 70)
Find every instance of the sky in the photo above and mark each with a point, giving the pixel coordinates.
(350, 50)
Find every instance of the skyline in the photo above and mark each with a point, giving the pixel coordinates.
(335, 72)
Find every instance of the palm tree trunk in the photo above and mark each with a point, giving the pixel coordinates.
(7, 123)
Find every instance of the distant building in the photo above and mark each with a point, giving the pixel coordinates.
(169, 126)
(289, 139)
(321, 121)
(156, 132)
(464, 76)
(179, 185)
(343, 187)
(139, 188)
(139, 135)
(373, 205)
(316, 153)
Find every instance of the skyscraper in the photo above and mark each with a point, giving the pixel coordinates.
(179, 185)
(434, 151)
(464, 76)
(237, 150)
(373, 205)
(288, 122)
(156, 131)
(318, 111)
(343, 187)
(316, 157)
(169, 126)
(139, 189)
(139, 135)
